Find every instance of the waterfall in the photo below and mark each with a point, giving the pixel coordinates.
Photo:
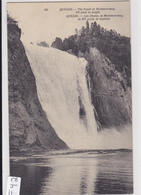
(64, 95)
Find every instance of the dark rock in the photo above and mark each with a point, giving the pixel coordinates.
(110, 93)
(42, 44)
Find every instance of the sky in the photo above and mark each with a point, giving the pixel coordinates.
(46, 21)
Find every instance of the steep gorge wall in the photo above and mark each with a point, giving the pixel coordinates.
(110, 93)
(110, 89)
(29, 127)
(108, 72)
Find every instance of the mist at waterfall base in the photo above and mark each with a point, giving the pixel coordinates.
(62, 89)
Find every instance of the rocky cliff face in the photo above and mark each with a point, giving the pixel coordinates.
(108, 72)
(29, 127)
(110, 89)
(110, 93)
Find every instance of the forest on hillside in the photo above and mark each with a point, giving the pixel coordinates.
(116, 48)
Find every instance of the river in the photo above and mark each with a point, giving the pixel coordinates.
(74, 172)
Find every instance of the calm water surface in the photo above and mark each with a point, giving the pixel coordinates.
(74, 172)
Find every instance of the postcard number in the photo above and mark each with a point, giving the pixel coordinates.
(13, 186)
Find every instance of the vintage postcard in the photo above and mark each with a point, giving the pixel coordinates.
(70, 97)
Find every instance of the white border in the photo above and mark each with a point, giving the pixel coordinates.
(136, 93)
(136, 86)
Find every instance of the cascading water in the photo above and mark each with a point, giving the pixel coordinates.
(63, 92)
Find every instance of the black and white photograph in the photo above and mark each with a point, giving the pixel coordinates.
(70, 97)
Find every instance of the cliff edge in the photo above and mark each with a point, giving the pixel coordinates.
(29, 127)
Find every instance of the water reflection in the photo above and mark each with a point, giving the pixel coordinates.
(71, 175)
(32, 177)
(75, 174)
